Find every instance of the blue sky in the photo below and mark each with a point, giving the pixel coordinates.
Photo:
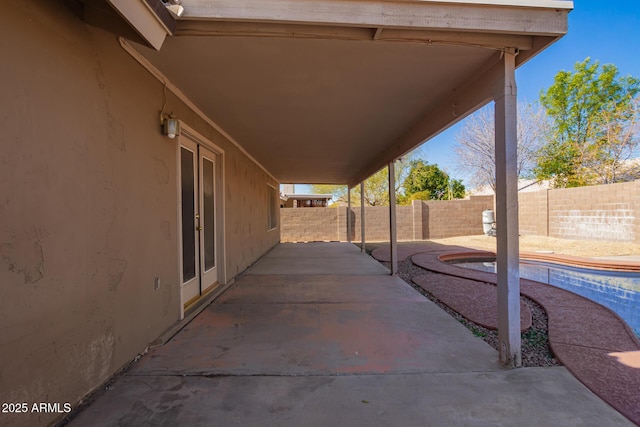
(607, 31)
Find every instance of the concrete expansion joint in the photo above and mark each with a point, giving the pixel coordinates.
(570, 344)
(212, 375)
(266, 303)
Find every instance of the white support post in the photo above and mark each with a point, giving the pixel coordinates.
(392, 219)
(507, 215)
(362, 240)
(348, 214)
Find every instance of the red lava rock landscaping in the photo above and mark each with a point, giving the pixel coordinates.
(590, 340)
(477, 301)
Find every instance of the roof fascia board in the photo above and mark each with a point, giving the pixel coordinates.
(464, 16)
(309, 196)
(432, 37)
(143, 16)
(539, 45)
(554, 4)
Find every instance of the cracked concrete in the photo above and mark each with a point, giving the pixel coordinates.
(321, 343)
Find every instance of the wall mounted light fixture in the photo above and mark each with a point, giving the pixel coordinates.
(170, 125)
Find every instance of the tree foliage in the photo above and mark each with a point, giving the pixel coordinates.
(376, 187)
(594, 114)
(429, 182)
(475, 144)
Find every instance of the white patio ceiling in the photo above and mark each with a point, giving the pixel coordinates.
(329, 91)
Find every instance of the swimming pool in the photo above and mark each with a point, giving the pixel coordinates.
(618, 291)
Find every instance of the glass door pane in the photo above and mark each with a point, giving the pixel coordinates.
(187, 177)
(208, 213)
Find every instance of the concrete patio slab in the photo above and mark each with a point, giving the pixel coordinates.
(252, 288)
(590, 340)
(317, 258)
(391, 329)
(348, 349)
(530, 397)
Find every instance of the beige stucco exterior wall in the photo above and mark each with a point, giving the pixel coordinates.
(88, 208)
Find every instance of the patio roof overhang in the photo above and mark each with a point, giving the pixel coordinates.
(331, 91)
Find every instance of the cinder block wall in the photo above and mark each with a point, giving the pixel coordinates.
(422, 220)
(604, 212)
(308, 224)
(533, 213)
(450, 218)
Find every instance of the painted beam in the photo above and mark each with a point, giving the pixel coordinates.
(461, 102)
(393, 235)
(457, 38)
(284, 30)
(362, 236)
(506, 142)
(532, 17)
(349, 225)
(147, 19)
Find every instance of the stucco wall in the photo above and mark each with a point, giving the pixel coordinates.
(88, 207)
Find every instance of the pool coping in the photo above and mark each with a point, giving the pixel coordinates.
(589, 339)
(568, 260)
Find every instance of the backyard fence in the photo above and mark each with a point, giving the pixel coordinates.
(602, 212)
(422, 220)
(605, 212)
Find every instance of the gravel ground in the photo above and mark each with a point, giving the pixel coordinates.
(535, 342)
(583, 248)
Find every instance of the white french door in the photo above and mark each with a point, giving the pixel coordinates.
(198, 217)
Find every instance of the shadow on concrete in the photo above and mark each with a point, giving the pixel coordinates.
(335, 341)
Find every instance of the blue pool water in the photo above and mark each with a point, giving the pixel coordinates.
(616, 290)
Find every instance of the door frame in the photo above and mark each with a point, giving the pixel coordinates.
(188, 133)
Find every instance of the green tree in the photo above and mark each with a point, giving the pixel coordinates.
(429, 182)
(376, 187)
(591, 108)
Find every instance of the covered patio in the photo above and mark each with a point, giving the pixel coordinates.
(332, 91)
(143, 154)
(320, 334)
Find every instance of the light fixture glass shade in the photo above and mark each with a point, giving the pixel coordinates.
(171, 127)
